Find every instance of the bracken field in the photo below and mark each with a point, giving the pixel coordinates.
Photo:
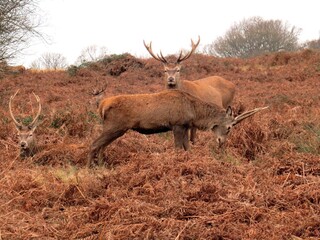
(263, 185)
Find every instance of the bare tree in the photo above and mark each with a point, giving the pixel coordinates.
(52, 61)
(91, 54)
(209, 50)
(255, 36)
(36, 64)
(19, 22)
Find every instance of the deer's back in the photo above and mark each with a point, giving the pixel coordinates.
(147, 110)
(212, 89)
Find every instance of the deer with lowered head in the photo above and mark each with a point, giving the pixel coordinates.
(27, 139)
(213, 89)
(160, 112)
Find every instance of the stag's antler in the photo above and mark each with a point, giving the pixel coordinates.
(18, 125)
(35, 120)
(244, 115)
(181, 58)
(158, 57)
(96, 91)
(194, 46)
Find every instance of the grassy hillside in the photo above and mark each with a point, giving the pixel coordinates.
(263, 185)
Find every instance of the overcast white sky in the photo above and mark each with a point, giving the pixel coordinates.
(121, 25)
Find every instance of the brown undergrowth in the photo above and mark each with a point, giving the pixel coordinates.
(263, 185)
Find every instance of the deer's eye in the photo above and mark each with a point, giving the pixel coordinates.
(178, 70)
(30, 135)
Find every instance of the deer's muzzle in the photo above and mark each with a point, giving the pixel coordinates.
(23, 145)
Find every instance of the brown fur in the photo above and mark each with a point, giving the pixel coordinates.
(214, 89)
(27, 139)
(154, 113)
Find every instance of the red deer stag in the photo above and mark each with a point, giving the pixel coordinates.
(213, 89)
(27, 139)
(161, 112)
(98, 93)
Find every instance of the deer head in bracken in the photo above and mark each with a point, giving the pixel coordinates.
(27, 139)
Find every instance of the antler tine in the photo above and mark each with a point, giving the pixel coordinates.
(39, 110)
(193, 48)
(10, 110)
(96, 91)
(101, 90)
(164, 60)
(248, 114)
(180, 55)
(149, 49)
(104, 87)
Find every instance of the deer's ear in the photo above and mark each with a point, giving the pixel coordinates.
(229, 111)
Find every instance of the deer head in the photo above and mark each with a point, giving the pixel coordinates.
(27, 140)
(98, 93)
(172, 70)
(221, 131)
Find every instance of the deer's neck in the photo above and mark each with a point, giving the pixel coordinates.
(208, 115)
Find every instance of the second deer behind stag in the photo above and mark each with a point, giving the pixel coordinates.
(213, 89)
(98, 93)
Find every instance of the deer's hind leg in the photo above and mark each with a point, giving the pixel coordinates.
(98, 146)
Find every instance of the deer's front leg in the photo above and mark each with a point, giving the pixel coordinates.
(181, 140)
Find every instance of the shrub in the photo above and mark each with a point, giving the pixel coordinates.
(255, 36)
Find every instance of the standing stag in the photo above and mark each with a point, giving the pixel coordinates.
(27, 140)
(212, 89)
(161, 112)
